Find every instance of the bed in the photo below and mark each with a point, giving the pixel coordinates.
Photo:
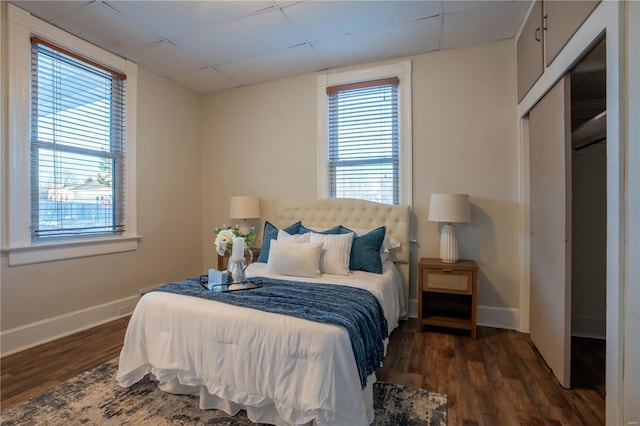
(280, 369)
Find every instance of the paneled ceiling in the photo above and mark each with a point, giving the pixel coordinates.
(211, 46)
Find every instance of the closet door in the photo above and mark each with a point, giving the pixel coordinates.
(550, 162)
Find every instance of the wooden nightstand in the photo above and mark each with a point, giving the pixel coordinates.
(223, 260)
(447, 294)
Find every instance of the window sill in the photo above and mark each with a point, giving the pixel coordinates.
(39, 253)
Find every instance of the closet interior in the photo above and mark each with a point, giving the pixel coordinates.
(589, 211)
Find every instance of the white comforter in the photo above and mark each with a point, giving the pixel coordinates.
(282, 370)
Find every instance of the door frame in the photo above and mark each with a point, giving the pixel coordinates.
(607, 18)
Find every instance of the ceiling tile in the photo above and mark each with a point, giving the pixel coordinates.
(206, 80)
(407, 39)
(173, 19)
(282, 3)
(497, 21)
(319, 20)
(165, 59)
(469, 5)
(48, 10)
(289, 62)
(254, 35)
(101, 25)
(215, 45)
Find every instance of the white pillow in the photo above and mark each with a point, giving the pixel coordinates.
(296, 259)
(336, 252)
(292, 238)
(391, 243)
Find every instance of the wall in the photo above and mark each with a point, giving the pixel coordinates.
(261, 140)
(464, 140)
(589, 234)
(257, 140)
(42, 301)
(631, 386)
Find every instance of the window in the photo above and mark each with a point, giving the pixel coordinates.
(364, 134)
(71, 145)
(363, 141)
(77, 150)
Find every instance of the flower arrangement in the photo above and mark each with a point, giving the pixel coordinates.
(225, 235)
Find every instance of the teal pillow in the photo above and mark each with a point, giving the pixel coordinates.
(365, 250)
(335, 230)
(271, 233)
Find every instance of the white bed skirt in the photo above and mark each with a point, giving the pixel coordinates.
(262, 410)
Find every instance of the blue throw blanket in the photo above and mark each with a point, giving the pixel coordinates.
(355, 309)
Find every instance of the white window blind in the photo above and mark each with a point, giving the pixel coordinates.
(363, 141)
(77, 145)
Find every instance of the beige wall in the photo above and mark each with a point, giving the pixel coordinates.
(261, 140)
(169, 201)
(257, 140)
(464, 140)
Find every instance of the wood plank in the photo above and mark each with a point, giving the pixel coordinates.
(35, 370)
(497, 379)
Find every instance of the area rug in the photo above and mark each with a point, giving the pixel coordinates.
(94, 398)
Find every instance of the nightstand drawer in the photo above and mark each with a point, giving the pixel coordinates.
(448, 280)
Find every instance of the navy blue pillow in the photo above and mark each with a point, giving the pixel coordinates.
(365, 250)
(335, 230)
(271, 233)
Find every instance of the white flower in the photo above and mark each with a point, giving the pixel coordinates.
(223, 239)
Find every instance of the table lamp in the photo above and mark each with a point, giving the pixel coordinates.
(449, 208)
(244, 207)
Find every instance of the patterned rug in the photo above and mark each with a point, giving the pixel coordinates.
(94, 398)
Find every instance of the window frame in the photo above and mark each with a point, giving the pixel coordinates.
(17, 241)
(402, 70)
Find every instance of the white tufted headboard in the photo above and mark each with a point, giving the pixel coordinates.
(356, 214)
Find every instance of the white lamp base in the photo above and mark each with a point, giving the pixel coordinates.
(448, 244)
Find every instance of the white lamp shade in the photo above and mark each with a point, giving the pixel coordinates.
(449, 208)
(244, 207)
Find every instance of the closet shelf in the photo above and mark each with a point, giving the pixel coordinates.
(593, 131)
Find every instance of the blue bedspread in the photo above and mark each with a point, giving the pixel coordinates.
(355, 309)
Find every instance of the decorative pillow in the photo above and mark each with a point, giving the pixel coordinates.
(295, 238)
(271, 233)
(296, 259)
(336, 252)
(365, 250)
(389, 242)
(335, 230)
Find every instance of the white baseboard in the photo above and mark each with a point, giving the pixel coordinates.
(30, 335)
(592, 327)
(488, 316)
(413, 308)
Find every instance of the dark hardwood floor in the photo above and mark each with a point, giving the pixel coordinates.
(497, 379)
(30, 372)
